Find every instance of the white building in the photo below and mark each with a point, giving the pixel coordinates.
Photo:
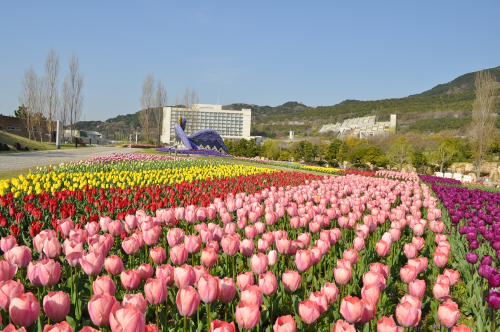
(365, 127)
(232, 125)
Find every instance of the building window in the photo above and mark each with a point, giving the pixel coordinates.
(14, 128)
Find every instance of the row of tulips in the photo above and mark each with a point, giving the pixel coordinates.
(313, 248)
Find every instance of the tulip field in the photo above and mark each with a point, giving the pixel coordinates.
(134, 243)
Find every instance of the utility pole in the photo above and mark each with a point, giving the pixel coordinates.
(136, 137)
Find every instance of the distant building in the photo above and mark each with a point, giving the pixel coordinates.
(18, 126)
(231, 125)
(362, 128)
(83, 133)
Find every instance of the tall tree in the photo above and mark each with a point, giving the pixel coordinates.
(29, 97)
(442, 155)
(51, 88)
(161, 100)
(482, 117)
(72, 92)
(192, 114)
(399, 152)
(147, 102)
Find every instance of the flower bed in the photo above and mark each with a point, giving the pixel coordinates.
(203, 152)
(281, 251)
(440, 180)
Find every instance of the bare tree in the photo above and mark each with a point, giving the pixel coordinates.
(64, 110)
(482, 117)
(161, 100)
(50, 93)
(72, 92)
(191, 112)
(147, 101)
(399, 152)
(28, 97)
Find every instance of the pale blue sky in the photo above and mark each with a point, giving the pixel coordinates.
(258, 52)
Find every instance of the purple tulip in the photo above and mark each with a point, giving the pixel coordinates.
(493, 299)
(471, 257)
(494, 279)
(486, 260)
(474, 244)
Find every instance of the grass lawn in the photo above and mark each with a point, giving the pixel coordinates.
(11, 139)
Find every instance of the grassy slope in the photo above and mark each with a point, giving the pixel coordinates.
(11, 139)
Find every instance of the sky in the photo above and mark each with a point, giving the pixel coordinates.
(257, 52)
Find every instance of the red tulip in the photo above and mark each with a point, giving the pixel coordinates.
(247, 315)
(9, 290)
(308, 311)
(130, 279)
(137, 300)
(156, 291)
(351, 309)
(187, 301)
(113, 265)
(56, 305)
(208, 288)
(227, 289)
(448, 313)
(461, 328)
(100, 307)
(151, 328)
(285, 324)
(126, 319)
(24, 309)
(104, 284)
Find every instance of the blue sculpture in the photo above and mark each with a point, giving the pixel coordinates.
(201, 140)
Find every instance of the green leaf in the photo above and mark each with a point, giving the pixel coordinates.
(71, 322)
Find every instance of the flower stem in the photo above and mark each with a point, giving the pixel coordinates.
(185, 324)
(208, 316)
(157, 319)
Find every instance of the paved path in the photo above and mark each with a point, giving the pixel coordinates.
(12, 161)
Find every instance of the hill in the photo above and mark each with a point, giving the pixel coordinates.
(460, 84)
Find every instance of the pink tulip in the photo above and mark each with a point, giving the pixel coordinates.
(247, 315)
(130, 279)
(379, 268)
(440, 259)
(417, 288)
(192, 243)
(92, 263)
(410, 250)
(351, 309)
(65, 227)
(156, 291)
(303, 260)
(407, 314)
(370, 292)
(165, 273)
(441, 292)
(227, 289)
(104, 284)
(7, 243)
(56, 305)
(331, 292)
(268, 283)
(321, 300)
(187, 301)
(358, 244)
(9, 290)
(342, 275)
(208, 257)
(100, 307)
(158, 255)
(208, 288)
(285, 324)
(220, 326)
(146, 271)
(19, 256)
(368, 311)
(49, 272)
(259, 263)
(448, 313)
(252, 294)
(408, 274)
(308, 311)
(152, 235)
(24, 309)
(272, 257)
(419, 242)
(387, 324)
(113, 265)
(382, 248)
(7, 270)
(184, 276)
(126, 319)
(351, 255)
(130, 222)
(291, 280)
(73, 251)
(461, 328)
(453, 275)
(131, 245)
(58, 327)
(115, 227)
(341, 326)
(137, 300)
(92, 228)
